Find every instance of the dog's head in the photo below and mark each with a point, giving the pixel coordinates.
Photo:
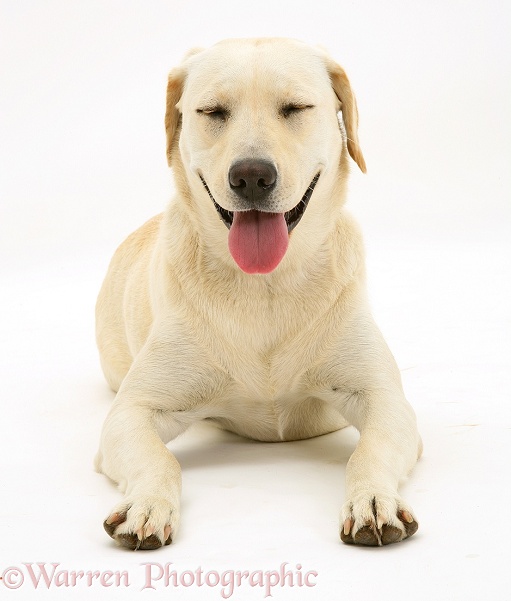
(254, 138)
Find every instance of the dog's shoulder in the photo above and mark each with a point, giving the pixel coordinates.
(139, 240)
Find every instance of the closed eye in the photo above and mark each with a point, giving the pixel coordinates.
(214, 112)
(291, 109)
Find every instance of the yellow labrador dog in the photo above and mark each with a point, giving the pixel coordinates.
(244, 303)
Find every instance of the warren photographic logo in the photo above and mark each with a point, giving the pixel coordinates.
(157, 576)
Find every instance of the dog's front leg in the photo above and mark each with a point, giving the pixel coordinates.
(364, 384)
(133, 455)
(159, 398)
(389, 446)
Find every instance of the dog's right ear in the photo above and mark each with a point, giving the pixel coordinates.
(174, 91)
(172, 113)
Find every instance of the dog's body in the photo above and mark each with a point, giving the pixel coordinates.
(261, 326)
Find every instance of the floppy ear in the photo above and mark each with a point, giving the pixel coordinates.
(344, 93)
(172, 114)
(174, 91)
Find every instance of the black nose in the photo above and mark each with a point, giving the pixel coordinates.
(252, 179)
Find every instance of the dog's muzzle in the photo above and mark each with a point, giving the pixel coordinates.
(292, 217)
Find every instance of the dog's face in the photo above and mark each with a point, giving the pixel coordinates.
(260, 142)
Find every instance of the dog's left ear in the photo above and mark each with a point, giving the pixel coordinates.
(344, 93)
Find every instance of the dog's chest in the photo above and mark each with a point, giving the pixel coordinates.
(259, 351)
(263, 336)
(293, 415)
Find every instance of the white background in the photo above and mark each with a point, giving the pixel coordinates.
(82, 164)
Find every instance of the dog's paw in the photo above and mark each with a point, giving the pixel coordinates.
(143, 523)
(376, 519)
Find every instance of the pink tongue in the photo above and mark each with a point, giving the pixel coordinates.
(258, 241)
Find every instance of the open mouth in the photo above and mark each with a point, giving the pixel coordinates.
(292, 217)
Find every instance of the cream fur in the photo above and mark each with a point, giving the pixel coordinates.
(185, 335)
